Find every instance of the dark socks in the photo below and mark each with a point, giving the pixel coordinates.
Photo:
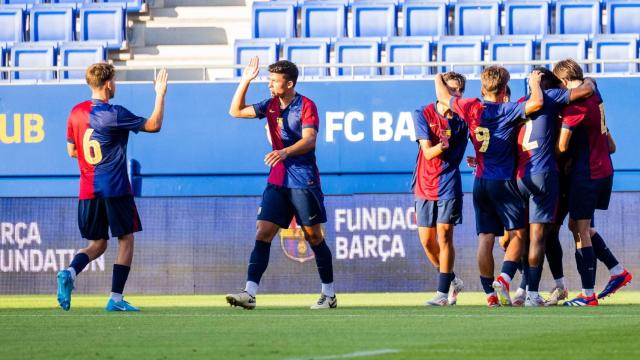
(119, 279)
(535, 273)
(602, 251)
(509, 268)
(587, 264)
(79, 262)
(487, 284)
(324, 261)
(525, 274)
(553, 251)
(444, 282)
(258, 261)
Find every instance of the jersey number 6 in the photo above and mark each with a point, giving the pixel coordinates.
(91, 148)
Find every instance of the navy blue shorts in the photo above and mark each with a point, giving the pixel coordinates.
(540, 192)
(97, 216)
(563, 200)
(432, 212)
(586, 195)
(498, 206)
(279, 205)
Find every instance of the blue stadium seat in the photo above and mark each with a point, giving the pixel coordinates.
(52, 22)
(27, 4)
(78, 3)
(80, 54)
(308, 51)
(620, 47)
(559, 47)
(578, 17)
(103, 22)
(425, 18)
(477, 17)
(373, 18)
(324, 19)
(33, 55)
(129, 5)
(3, 59)
(624, 16)
(357, 51)
(273, 19)
(526, 17)
(455, 49)
(265, 49)
(512, 48)
(409, 50)
(12, 27)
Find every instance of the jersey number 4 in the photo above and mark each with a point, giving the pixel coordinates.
(91, 148)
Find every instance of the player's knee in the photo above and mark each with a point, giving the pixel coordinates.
(314, 239)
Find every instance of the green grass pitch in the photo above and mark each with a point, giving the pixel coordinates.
(365, 326)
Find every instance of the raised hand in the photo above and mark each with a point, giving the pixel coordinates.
(161, 82)
(536, 77)
(252, 70)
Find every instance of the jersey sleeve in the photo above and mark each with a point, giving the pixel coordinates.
(514, 111)
(466, 109)
(558, 97)
(572, 116)
(310, 118)
(420, 125)
(126, 120)
(70, 137)
(261, 108)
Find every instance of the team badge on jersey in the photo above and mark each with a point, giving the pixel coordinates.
(280, 122)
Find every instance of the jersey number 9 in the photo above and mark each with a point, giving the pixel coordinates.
(482, 135)
(91, 148)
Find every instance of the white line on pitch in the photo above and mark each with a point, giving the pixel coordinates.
(307, 316)
(349, 355)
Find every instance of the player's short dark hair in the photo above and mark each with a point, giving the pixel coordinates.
(549, 79)
(286, 68)
(494, 79)
(568, 69)
(99, 74)
(508, 91)
(455, 76)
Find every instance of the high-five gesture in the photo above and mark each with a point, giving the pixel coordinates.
(252, 70)
(161, 82)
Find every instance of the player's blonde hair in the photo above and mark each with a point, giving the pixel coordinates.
(494, 79)
(99, 74)
(568, 69)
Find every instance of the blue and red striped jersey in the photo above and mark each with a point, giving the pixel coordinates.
(492, 128)
(537, 136)
(439, 178)
(285, 129)
(100, 132)
(589, 146)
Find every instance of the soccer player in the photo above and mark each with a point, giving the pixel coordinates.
(97, 135)
(498, 205)
(591, 179)
(537, 174)
(442, 139)
(293, 187)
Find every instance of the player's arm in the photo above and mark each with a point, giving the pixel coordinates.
(430, 151)
(71, 150)
(238, 107)
(302, 146)
(536, 99)
(442, 92)
(586, 89)
(563, 140)
(611, 142)
(154, 122)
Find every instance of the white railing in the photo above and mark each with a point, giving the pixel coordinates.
(399, 69)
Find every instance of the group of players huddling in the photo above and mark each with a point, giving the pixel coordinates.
(546, 155)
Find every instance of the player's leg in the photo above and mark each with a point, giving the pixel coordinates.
(426, 216)
(124, 221)
(487, 226)
(449, 285)
(553, 253)
(93, 224)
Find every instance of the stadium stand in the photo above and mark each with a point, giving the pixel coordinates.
(81, 54)
(26, 3)
(103, 22)
(409, 50)
(512, 48)
(557, 47)
(3, 60)
(623, 16)
(267, 50)
(324, 19)
(276, 19)
(578, 17)
(308, 51)
(619, 47)
(357, 51)
(425, 18)
(374, 18)
(129, 5)
(526, 17)
(12, 24)
(454, 49)
(477, 17)
(33, 55)
(52, 22)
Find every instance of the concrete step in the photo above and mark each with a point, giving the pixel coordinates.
(168, 3)
(151, 34)
(242, 13)
(201, 53)
(196, 74)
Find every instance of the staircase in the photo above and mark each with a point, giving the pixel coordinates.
(183, 33)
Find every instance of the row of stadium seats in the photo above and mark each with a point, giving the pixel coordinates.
(80, 54)
(447, 49)
(57, 23)
(379, 18)
(128, 5)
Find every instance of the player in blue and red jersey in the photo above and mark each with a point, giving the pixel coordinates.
(97, 135)
(498, 205)
(537, 173)
(293, 186)
(442, 138)
(584, 135)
